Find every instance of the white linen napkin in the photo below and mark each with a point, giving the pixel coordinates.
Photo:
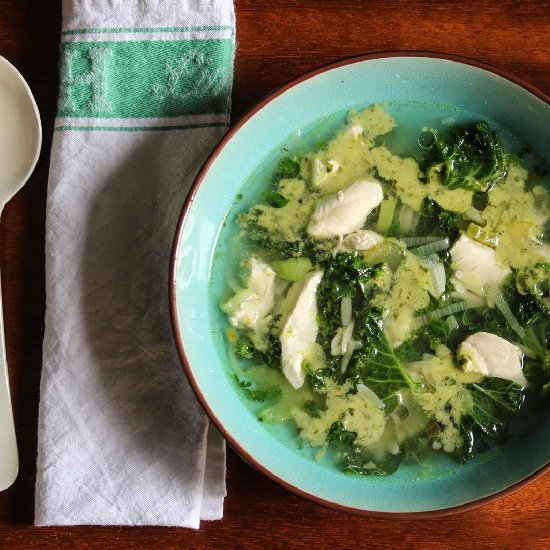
(144, 97)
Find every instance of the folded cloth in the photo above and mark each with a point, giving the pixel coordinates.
(145, 91)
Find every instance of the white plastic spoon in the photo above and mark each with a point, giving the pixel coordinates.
(20, 141)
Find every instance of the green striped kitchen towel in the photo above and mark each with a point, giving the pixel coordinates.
(145, 90)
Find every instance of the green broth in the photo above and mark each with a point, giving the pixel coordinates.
(377, 454)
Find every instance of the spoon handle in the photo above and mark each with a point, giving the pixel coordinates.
(9, 461)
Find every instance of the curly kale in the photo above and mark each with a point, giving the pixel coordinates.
(361, 463)
(269, 241)
(263, 394)
(244, 348)
(469, 158)
(528, 288)
(486, 319)
(312, 407)
(344, 275)
(338, 436)
(485, 421)
(424, 340)
(376, 365)
(536, 368)
(316, 377)
(436, 221)
(271, 356)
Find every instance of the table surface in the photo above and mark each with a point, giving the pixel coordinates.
(277, 41)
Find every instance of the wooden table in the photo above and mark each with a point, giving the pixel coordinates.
(277, 40)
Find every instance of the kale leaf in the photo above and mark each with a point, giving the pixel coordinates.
(424, 340)
(485, 420)
(271, 356)
(486, 319)
(311, 406)
(344, 275)
(436, 221)
(287, 168)
(415, 449)
(469, 158)
(244, 348)
(352, 462)
(355, 459)
(316, 377)
(269, 241)
(537, 361)
(263, 394)
(338, 436)
(376, 365)
(525, 292)
(275, 200)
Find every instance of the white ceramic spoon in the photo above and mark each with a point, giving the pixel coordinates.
(20, 140)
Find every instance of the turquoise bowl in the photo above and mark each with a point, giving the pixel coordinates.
(426, 86)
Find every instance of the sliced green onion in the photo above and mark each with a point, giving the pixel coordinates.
(385, 218)
(430, 248)
(504, 308)
(417, 241)
(444, 311)
(481, 235)
(292, 269)
(452, 322)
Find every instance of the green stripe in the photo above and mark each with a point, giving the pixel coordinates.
(141, 128)
(146, 79)
(149, 29)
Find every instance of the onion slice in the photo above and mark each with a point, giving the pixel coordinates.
(504, 308)
(346, 310)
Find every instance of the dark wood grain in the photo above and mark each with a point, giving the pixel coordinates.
(277, 41)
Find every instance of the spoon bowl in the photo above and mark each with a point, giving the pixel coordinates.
(20, 141)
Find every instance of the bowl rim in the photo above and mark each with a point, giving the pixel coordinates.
(260, 104)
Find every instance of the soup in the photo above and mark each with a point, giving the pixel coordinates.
(393, 306)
